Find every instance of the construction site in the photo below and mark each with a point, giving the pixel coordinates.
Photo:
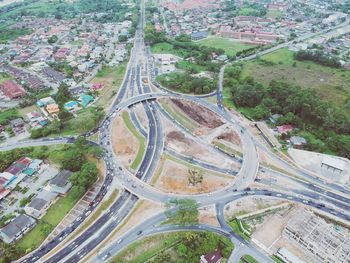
(320, 240)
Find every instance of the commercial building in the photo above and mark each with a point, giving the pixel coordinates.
(334, 164)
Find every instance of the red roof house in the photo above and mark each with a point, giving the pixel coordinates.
(97, 86)
(211, 257)
(12, 90)
(284, 129)
(25, 161)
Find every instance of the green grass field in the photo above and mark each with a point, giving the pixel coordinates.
(4, 77)
(8, 115)
(236, 228)
(12, 34)
(185, 65)
(166, 48)
(111, 78)
(51, 219)
(231, 47)
(155, 245)
(329, 82)
(274, 14)
(140, 139)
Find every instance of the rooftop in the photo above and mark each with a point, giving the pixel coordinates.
(17, 225)
(61, 178)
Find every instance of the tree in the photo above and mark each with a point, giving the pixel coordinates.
(195, 177)
(63, 95)
(52, 39)
(64, 115)
(122, 38)
(233, 71)
(83, 179)
(248, 95)
(10, 252)
(73, 160)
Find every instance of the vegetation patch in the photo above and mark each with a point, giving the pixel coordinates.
(248, 259)
(8, 115)
(12, 34)
(139, 137)
(175, 247)
(185, 83)
(111, 78)
(236, 227)
(325, 125)
(230, 47)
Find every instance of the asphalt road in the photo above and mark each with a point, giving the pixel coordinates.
(77, 249)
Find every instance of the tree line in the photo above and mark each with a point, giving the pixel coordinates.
(185, 83)
(301, 107)
(319, 57)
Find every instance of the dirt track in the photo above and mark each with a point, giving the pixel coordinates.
(198, 113)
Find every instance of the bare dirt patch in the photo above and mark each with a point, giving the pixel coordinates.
(248, 205)
(231, 137)
(174, 179)
(124, 144)
(185, 145)
(207, 215)
(203, 116)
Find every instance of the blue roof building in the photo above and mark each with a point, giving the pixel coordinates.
(70, 105)
(85, 99)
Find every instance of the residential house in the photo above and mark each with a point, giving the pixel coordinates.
(18, 125)
(6, 178)
(45, 101)
(17, 228)
(297, 141)
(284, 129)
(212, 257)
(60, 183)
(39, 204)
(36, 120)
(12, 90)
(52, 108)
(56, 76)
(96, 86)
(85, 99)
(71, 105)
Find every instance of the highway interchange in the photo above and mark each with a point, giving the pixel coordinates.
(313, 192)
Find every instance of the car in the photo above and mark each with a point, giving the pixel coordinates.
(139, 232)
(106, 256)
(119, 241)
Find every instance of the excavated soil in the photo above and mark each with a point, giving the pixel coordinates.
(202, 115)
